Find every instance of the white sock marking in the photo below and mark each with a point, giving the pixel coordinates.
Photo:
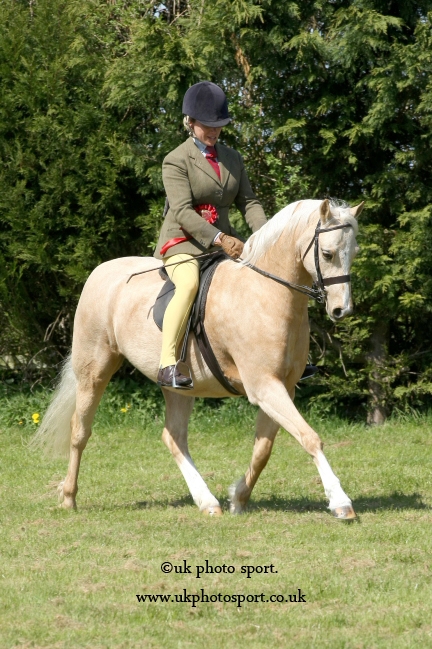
(200, 492)
(332, 487)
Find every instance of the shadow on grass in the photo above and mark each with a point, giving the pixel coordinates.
(184, 501)
(363, 504)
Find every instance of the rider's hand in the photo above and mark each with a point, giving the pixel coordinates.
(232, 246)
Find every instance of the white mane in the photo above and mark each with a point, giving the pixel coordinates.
(288, 219)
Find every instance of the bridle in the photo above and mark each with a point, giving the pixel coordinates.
(317, 292)
(327, 281)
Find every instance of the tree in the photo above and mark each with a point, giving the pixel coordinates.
(345, 100)
(68, 197)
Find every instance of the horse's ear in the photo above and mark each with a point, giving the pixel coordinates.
(325, 213)
(357, 210)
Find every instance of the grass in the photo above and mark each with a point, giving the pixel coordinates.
(70, 580)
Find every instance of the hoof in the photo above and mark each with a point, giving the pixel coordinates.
(213, 511)
(236, 508)
(65, 502)
(344, 513)
(68, 503)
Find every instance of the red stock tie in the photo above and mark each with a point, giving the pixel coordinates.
(211, 157)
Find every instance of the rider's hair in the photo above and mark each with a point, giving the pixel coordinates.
(187, 121)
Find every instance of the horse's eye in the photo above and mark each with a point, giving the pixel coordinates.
(327, 255)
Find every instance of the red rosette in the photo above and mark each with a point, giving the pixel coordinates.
(210, 212)
(210, 215)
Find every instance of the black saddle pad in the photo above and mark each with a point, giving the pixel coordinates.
(163, 299)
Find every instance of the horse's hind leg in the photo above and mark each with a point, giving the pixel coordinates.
(178, 411)
(92, 378)
(239, 492)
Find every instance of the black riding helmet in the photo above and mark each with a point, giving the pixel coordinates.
(207, 103)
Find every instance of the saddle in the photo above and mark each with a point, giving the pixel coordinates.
(207, 270)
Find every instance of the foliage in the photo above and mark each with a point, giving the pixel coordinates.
(329, 99)
(389, 152)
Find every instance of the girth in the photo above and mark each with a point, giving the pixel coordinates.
(207, 270)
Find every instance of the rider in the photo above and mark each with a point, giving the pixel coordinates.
(202, 179)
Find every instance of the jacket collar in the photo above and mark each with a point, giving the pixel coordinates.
(223, 156)
(202, 163)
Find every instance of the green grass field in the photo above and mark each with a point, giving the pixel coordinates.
(71, 579)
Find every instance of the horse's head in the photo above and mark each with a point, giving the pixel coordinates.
(328, 257)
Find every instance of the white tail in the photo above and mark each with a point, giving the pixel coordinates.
(54, 432)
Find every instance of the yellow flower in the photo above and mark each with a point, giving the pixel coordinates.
(123, 409)
(20, 422)
(35, 417)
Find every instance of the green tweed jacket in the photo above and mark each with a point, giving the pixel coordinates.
(190, 180)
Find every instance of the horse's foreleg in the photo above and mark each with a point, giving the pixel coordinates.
(239, 492)
(273, 398)
(91, 384)
(178, 411)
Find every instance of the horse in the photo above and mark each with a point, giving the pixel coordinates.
(257, 325)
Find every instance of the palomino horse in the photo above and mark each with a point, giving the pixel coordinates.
(258, 329)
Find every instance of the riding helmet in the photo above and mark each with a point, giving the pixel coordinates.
(207, 103)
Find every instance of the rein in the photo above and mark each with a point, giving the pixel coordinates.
(316, 292)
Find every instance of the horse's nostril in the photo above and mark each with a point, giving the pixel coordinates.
(337, 313)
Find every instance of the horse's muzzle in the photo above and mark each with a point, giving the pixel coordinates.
(338, 313)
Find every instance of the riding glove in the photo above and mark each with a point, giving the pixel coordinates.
(232, 246)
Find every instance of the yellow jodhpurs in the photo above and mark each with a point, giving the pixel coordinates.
(186, 279)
